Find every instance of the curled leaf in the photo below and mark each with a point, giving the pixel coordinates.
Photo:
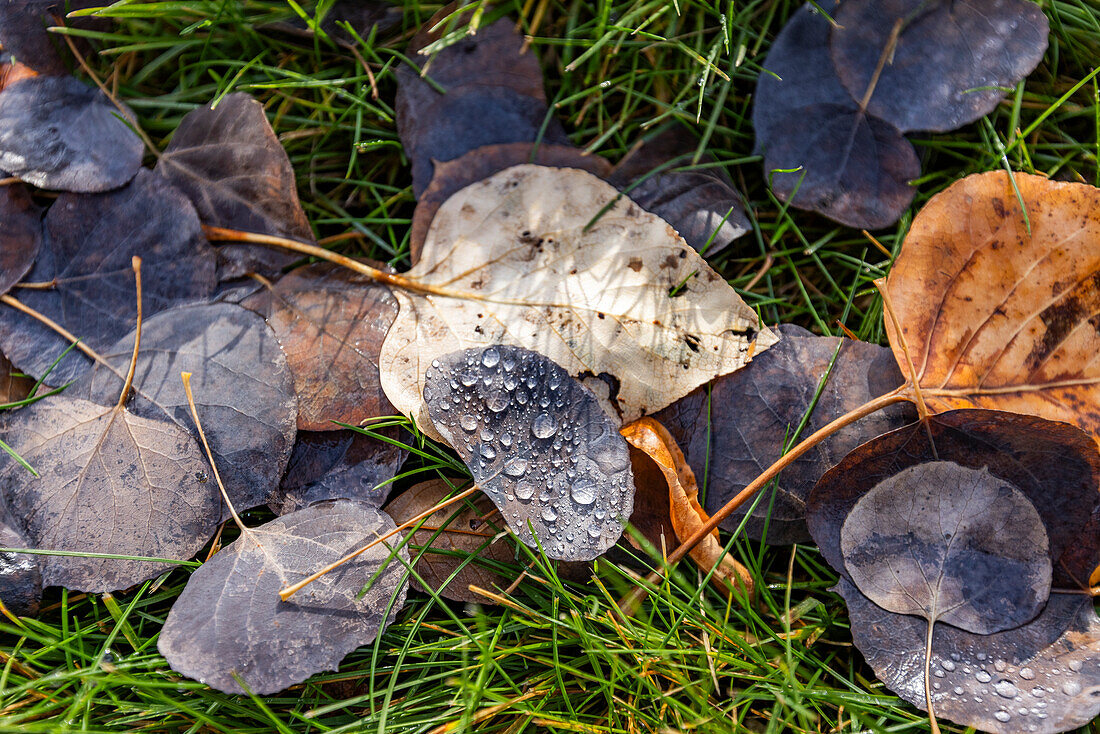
(529, 258)
(538, 444)
(999, 309)
(58, 133)
(230, 624)
(685, 513)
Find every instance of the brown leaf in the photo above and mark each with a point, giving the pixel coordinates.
(444, 542)
(997, 317)
(236, 173)
(14, 385)
(685, 513)
(21, 236)
(449, 177)
(331, 323)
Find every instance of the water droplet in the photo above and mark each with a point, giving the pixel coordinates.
(467, 378)
(515, 467)
(467, 421)
(958, 690)
(486, 434)
(522, 397)
(525, 491)
(594, 530)
(510, 383)
(498, 401)
(544, 495)
(509, 363)
(982, 677)
(505, 439)
(1071, 688)
(544, 425)
(549, 514)
(583, 491)
(948, 665)
(1005, 689)
(1027, 673)
(939, 673)
(544, 401)
(1038, 691)
(999, 665)
(490, 357)
(1002, 716)
(981, 656)
(487, 451)
(554, 381)
(1076, 665)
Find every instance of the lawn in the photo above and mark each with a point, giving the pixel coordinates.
(553, 655)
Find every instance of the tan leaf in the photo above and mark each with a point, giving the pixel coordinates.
(528, 266)
(998, 317)
(684, 511)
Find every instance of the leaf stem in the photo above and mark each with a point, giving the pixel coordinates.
(871, 406)
(289, 591)
(927, 679)
(58, 328)
(135, 262)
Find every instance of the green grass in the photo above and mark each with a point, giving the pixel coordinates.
(556, 657)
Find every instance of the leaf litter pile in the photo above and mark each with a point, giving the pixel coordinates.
(181, 350)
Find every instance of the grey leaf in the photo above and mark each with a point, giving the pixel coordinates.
(20, 235)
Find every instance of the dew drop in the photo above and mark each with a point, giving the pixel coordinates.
(1005, 689)
(486, 434)
(544, 425)
(509, 363)
(487, 451)
(1071, 688)
(999, 665)
(515, 467)
(1038, 692)
(498, 401)
(506, 439)
(982, 677)
(948, 665)
(939, 673)
(549, 514)
(1027, 673)
(467, 421)
(1002, 716)
(1076, 665)
(958, 690)
(594, 530)
(525, 491)
(467, 378)
(583, 491)
(490, 357)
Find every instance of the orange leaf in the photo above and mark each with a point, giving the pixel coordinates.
(685, 512)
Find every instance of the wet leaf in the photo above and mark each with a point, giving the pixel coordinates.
(110, 482)
(538, 444)
(442, 545)
(493, 94)
(329, 465)
(230, 621)
(20, 236)
(950, 544)
(600, 303)
(20, 577)
(86, 253)
(449, 177)
(995, 316)
(331, 323)
(241, 381)
(236, 173)
(821, 151)
(58, 133)
(14, 385)
(686, 515)
(736, 427)
(953, 61)
(701, 204)
(984, 680)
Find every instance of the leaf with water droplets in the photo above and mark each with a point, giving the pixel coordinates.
(529, 257)
(328, 465)
(236, 173)
(331, 323)
(86, 256)
(737, 426)
(537, 442)
(110, 482)
(242, 385)
(20, 577)
(229, 622)
(1043, 476)
(58, 133)
(454, 547)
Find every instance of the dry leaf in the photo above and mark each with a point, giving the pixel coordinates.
(21, 236)
(526, 271)
(685, 512)
(997, 317)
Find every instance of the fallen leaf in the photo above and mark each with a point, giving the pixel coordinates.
(20, 577)
(21, 236)
(493, 94)
(701, 203)
(241, 380)
(821, 150)
(12, 71)
(110, 482)
(952, 62)
(89, 242)
(236, 173)
(14, 385)
(331, 323)
(450, 177)
(456, 546)
(58, 133)
(538, 444)
(976, 678)
(229, 622)
(527, 270)
(997, 316)
(685, 513)
(737, 426)
(329, 465)
(23, 31)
